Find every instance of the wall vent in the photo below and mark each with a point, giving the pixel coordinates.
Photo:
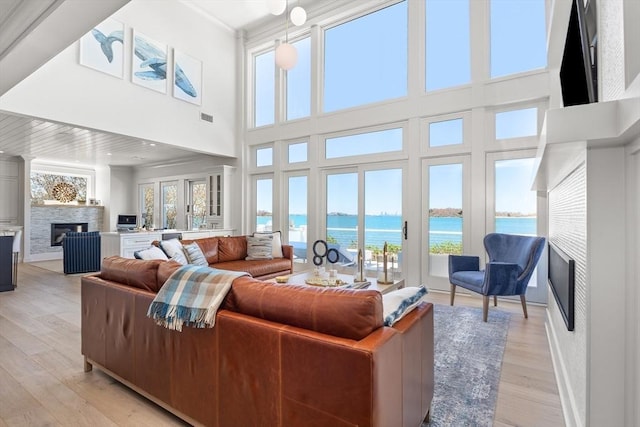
(206, 117)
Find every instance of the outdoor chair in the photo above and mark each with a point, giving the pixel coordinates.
(512, 260)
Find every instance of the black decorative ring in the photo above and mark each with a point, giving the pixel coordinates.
(315, 248)
(333, 256)
(317, 260)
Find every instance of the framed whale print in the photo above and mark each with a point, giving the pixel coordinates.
(187, 78)
(102, 48)
(149, 63)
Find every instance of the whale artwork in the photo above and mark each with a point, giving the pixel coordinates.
(149, 63)
(102, 48)
(187, 77)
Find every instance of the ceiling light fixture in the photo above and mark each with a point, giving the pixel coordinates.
(298, 16)
(286, 53)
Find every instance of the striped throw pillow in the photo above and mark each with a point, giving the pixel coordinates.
(259, 247)
(195, 255)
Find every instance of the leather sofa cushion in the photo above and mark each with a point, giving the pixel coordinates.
(165, 270)
(232, 248)
(263, 267)
(345, 313)
(137, 273)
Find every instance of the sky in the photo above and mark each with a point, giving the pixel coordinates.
(366, 61)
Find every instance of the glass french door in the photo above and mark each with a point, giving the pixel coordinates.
(146, 203)
(446, 208)
(169, 195)
(363, 210)
(512, 207)
(196, 204)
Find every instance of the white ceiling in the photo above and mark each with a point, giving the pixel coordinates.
(55, 142)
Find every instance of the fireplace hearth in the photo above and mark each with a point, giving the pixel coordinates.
(58, 230)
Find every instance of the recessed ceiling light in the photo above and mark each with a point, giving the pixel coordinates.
(152, 144)
(1, 152)
(108, 154)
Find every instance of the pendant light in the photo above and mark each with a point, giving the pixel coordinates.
(286, 53)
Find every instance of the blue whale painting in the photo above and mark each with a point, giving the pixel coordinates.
(151, 57)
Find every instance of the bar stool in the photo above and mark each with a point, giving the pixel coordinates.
(17, 246)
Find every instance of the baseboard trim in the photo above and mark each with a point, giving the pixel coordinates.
(567, 397)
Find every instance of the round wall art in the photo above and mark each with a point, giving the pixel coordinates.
(64, 192)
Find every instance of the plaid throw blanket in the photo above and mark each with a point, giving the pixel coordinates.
(191, 296)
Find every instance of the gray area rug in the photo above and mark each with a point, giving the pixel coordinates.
(468, 361)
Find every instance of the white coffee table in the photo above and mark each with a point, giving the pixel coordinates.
(301, 277)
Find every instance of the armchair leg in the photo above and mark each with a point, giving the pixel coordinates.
(453, 293)
(485, 307)
(524, 306)
(495, 300)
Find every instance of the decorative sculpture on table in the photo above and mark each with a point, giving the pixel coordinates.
(321, 251)
(385, 276)
(360, 276)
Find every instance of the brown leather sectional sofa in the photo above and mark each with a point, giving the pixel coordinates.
(279, 355)
(229, 253)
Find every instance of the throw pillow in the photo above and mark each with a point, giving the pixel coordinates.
(173, 249)
(396, 304)
(150, 253)
(276, 243)
(259, 247)
(195, 255)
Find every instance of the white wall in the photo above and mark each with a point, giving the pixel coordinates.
(64, 91)
(632, 390)
(597, 365)
(568, 230)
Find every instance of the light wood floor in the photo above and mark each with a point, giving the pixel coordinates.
(42, 382)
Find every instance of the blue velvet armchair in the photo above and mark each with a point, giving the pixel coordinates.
(512, 260)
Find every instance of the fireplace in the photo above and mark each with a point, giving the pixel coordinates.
(58, 230)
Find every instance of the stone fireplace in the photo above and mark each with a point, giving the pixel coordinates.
(58, 230)
(45, 217)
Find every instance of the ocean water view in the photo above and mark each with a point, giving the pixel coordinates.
(381, 228)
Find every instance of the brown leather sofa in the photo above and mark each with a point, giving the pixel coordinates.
(229, 253)
(279, 355)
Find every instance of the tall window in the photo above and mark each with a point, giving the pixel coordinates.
(264, 204)
(517, 123)
(445, 215)
(383, 141)
(298, 222)
(147, 202)
(342, 210)
(518, 39)
(264, 157)
(515, 209)
(299, 82)
(297, 152)
(382, 220)
(169, 192)
(448, 53)
(447, 132)
(383, 215)
(365, 60)
(265, 89)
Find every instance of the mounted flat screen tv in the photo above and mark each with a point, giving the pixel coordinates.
(578, 71)
(562, 283)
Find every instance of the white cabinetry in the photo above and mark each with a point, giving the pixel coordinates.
(125, 244)
(219, 197)
(9, 200)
